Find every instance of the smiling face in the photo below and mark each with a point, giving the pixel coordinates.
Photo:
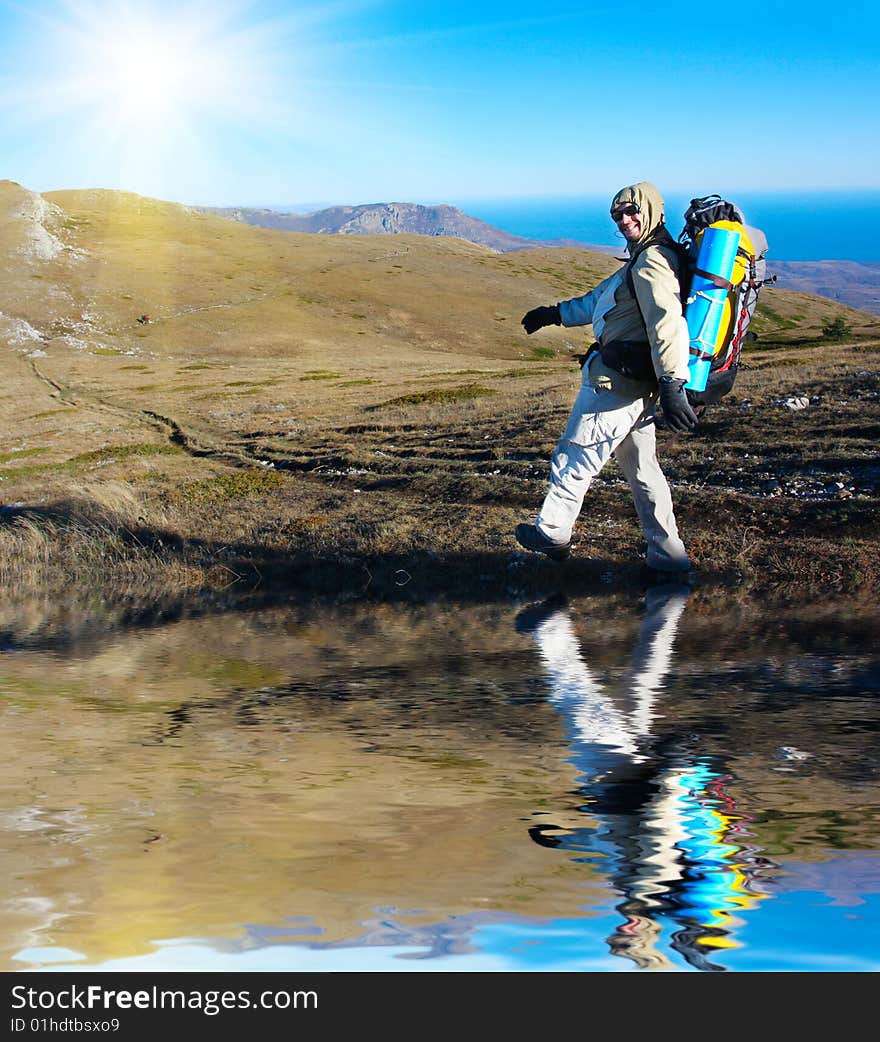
(638, 212)
(629, 220)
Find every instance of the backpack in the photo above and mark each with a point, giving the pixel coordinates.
(749, 275)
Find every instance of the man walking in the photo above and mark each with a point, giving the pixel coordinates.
(641, 354)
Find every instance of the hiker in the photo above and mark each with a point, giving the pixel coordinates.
(641, 354)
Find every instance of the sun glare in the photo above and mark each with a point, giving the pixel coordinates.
(127, 66)
(155, 89)
(144, 78)
(157, 95)
(136, 72)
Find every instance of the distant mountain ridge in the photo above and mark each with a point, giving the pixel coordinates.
(854, 283)
(392, 219)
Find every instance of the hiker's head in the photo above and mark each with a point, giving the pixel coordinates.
(638, 210)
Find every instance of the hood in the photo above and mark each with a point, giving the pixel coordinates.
(649, 200)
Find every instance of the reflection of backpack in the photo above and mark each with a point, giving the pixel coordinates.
(749, 275)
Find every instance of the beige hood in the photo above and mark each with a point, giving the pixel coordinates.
(649, 201)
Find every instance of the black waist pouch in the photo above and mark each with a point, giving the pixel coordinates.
(632, 358)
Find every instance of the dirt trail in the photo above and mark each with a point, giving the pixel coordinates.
(200, 445)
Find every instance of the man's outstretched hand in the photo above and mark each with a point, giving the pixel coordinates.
(537, 318)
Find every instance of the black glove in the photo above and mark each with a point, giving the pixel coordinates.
(677, 411)
(537, 318)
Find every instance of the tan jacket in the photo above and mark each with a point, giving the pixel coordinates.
(652, 316)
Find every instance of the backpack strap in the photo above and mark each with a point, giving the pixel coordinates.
(661, 239)
(715, 279)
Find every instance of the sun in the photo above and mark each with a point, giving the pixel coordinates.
(185, 99)
(155, 93)
(135, 66)
(142, 77)
(119, 67)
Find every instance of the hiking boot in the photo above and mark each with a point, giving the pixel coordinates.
(529, 537)
(654, 576)
(530, 618)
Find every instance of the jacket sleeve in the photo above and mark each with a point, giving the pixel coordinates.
(579, 310)
(659, 297)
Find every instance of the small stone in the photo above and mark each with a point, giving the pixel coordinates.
(789, 752)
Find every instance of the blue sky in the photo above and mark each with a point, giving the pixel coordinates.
(281, 103)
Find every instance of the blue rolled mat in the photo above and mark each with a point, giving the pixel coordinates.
(705, 306)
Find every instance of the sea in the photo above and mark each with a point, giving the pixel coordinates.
(800, 226)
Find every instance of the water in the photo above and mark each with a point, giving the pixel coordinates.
(800, 226)
(620, 783)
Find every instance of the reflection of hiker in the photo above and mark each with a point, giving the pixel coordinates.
(658, 820)
(605, 726)
(642, 346)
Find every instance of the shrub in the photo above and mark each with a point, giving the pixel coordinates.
(837, 329)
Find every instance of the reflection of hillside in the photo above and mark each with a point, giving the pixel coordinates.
(269, 826)
(266, 804)
(219, 776)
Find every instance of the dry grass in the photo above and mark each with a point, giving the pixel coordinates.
(99, 536)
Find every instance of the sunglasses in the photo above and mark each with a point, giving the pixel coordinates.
(630, 210)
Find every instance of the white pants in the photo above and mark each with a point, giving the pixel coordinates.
(603, 424)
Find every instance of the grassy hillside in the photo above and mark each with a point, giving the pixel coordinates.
(365, 410)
